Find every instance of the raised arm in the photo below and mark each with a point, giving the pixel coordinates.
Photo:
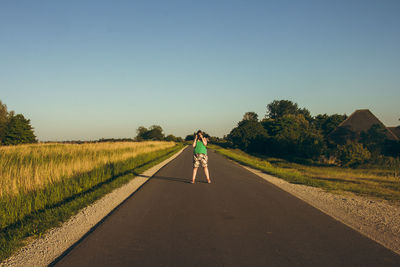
(204, 140)
(195, 141)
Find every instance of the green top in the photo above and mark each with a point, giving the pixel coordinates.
(200, 148)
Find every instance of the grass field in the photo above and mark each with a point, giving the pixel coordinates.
(372, 182)
(26, 168)
(43, 185)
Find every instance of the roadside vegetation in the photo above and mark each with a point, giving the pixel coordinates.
(372, 182)
(290, 132)
(42, 185)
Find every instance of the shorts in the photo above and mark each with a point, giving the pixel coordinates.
(200, 158)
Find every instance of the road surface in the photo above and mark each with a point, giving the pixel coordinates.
(238, 220)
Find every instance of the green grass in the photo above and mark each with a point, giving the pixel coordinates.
(372, 182)
(30, 215)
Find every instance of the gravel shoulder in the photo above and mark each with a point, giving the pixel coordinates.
(44, 250)
(375, 218)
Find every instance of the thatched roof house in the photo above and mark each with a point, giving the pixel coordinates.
(361, 121)
(395, 130)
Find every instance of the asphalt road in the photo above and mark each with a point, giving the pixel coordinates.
(238, 220)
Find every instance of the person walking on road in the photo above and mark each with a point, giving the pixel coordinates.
(200, 155)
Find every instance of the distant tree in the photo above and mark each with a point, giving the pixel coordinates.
(189, 137)
(140, 133)
(19, 131)
(278, 108)
(272, 126)
(299, 136)
(171, 138)
(3, 121)
(248, 135)
(155, 132)
(327, 123)
(294, 135)
(250, 116)
(103, 140)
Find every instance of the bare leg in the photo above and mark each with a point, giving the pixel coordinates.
(194, 174)
(207, 174)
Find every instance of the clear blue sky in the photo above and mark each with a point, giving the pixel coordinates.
(92, 69)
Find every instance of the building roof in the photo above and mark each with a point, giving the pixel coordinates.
(395, 130)
(362, 120)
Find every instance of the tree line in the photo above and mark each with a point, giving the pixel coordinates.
(15, 128)
(288, 131)
(155, 133)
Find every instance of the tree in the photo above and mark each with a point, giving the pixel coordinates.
(299, 137)
(328, 123)
(19, 131)
(311, 145)
(189, 137)
(140, 132)
(278, 108)
(250, 116)
(155, 132)
(170, 138)
(3, 121)
(249, 136)
(173, 138)
(293, 135)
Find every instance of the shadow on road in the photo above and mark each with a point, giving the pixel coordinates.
(174, 179)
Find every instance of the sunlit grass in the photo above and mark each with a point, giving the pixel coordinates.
(26, 168)
(373, 182)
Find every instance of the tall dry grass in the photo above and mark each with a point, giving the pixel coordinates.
(26, 168)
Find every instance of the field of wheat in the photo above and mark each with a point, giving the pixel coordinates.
(25, 168)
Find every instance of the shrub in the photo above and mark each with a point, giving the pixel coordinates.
(352, 154)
